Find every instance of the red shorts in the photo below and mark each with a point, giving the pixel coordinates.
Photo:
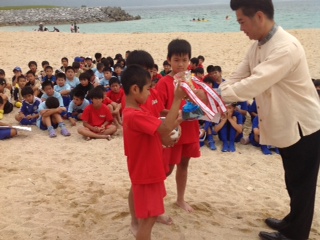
(173, 156)
(148, 199)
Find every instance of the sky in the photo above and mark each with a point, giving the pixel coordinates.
(119, 3)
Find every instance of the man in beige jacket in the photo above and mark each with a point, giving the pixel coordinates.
(275, 72)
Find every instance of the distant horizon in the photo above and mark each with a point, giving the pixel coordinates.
(111, 3)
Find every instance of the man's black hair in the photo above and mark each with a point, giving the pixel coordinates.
(134, 75)
(140, 57)
(27, 90)
(217, 68)
(69, 67)
(52, 102)
(179, 47)
(251, 7)
(44, 63)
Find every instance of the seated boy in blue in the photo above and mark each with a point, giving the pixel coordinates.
(50, 117)
(229, 128)
(255, 136)
(71, 79)
(99, 72)
(207, 125)
(107, 71)
(63, 88)
(6, 133)
(242, 108)
(29, 111)
(49, 75)
(77, 106)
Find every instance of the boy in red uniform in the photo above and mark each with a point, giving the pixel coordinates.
(116, 92)
(145, 164)
(97, 118)
(179, 53)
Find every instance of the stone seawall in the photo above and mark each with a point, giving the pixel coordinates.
(62, 15)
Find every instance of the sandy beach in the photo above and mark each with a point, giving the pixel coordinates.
(68, 188)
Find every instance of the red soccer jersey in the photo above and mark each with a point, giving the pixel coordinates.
(189, 129)
(116, 97)
(153, 104)
(143, 147)
(107, 101)
(97, 117)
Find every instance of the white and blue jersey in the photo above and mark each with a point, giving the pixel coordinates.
(73, 83)
(30, 108)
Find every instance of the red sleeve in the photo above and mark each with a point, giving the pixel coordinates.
(107, 101)
(86, 114)
(109, 116)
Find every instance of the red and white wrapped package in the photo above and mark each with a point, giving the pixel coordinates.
(212, 105)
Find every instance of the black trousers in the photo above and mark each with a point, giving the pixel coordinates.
(301, 166)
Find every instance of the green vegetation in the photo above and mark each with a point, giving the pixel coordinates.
(26, 7)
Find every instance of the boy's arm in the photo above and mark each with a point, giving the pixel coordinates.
(93, 129)
(234, 124)
(49, 112)
(220, 125)
(173, 120)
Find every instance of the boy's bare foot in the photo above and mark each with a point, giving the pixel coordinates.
(87, 138)
(134, 229)
(108, 137)
(185, 206)
(164, 219)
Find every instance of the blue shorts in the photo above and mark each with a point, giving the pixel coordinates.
(5, 133)
(44, 127)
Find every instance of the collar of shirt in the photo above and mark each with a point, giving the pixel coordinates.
(269, 36)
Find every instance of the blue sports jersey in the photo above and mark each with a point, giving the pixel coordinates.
(30, 109)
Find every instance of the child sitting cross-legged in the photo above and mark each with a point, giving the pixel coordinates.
(97, 118)
(50, 117)
(77, 106)
(29, 111)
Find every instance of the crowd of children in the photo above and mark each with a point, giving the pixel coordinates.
(131, 94)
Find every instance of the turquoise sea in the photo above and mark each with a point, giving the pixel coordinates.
(290, 14)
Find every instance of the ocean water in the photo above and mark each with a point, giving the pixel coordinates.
(290, 14)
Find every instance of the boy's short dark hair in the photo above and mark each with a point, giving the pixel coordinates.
(107, 69)
(217, 68)
(27, 90)
(105, 62)
(90, 73)
(46, 83)
(316, 82)
(208, 80)
(156, 66)
(166, 63)
(65, 58)
(100, 66)
(249, 7)
(31, 72)
(75, 65)
(179, 47)
(97, 55)
(84, 76)
(61, 75)
(134, 75)
(21, 76)
(210, 69)
(32, 63)
(140, 57)
(79, 94)
(69, 68)
(195, 61)
(111, 62)
(199, 70)
(118, 65)
(96, 93)
(201, 57)
(2, 72)
(48, 67)
(3, 81)
(114, 80)
(44, 63)
(52, 102)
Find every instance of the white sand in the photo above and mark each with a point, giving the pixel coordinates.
(67, 188)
